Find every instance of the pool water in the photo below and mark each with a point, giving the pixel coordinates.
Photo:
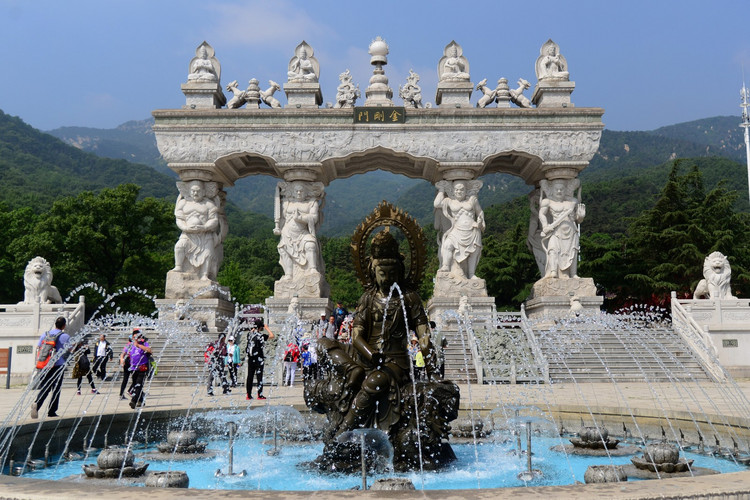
(488, 465)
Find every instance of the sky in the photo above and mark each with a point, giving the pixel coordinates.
(100, 63)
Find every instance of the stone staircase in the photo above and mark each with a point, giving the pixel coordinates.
(653, 354)
(181, 361)
(459, 363)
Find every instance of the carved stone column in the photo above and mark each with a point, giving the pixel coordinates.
(560, 291)
(459, 221)
(297, 217)
(191, 285)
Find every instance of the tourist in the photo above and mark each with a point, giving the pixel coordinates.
(419, 365)
(345, 332)
(339, 314)
(331, 330)
(216, 353)
(52, 374)
(83, 366)
(232, 360)
(140, 353)
(321, 326)
(413, 350)
(441, 357)
(101, 356)
(125, 363)
(256, 356)
(291, 358)
(312, 348)
(306, 362)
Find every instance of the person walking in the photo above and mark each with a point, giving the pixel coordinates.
(52, 373)
(82, 367)
(291, 357)
(256, 357)
(233, 360)
(306, 362)
(139, 353)
(125, 363)
(331, 331)
(216, 355)
(101, 356)
(339, 313)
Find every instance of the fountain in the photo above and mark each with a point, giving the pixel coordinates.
(370, 383)
(115, 462)
(417, 440)
(595, 441)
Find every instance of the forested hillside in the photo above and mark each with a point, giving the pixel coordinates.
(36, 169)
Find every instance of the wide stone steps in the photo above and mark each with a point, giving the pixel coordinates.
(638, 355)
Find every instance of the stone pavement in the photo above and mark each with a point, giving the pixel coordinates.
(730, 400)
(723, 401)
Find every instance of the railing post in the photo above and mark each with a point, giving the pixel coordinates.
(10, 362)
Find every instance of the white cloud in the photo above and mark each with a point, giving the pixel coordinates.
(264, 23)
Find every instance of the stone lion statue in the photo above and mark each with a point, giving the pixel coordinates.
(37, 283)
(716, 274)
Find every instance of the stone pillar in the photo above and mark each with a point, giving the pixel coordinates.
(199, 213)
(560, 291)
(460, 241)
(297, 218)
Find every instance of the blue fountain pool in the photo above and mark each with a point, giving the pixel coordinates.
(488, 465)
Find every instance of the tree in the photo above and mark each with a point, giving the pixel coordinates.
(109, 238)
(508, 267)
(667, 244)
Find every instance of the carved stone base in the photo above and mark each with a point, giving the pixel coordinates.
(448, 285)
(553, 94)
(554, 297)
(454, 94)
(441, 310)
(311, 285)
(181, 285)
(215, 312)
(203, 95)
(303, 95)
(310, 309)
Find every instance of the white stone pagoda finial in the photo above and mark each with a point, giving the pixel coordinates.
(378, 93)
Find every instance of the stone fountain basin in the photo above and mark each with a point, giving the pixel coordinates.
(682, 465)
(619, 451)
(95, 471)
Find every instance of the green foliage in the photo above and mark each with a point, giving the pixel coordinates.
(250, 268)
(508, 267)
(35, 168)
(110, 238)
(666, 245)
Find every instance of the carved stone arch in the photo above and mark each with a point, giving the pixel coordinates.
(519, 163)
(244, 163)
(381, 158)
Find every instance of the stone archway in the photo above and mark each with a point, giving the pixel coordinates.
(307, 147)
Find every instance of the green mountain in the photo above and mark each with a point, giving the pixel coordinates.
(637, 160)
(36, 168)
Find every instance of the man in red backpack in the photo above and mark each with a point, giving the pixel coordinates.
(52, 373)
